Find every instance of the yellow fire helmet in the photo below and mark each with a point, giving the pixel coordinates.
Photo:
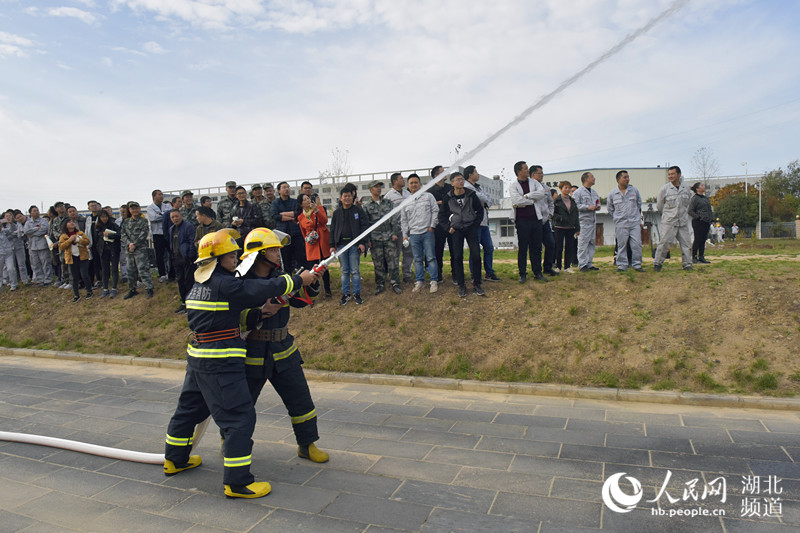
(257, 240)
(212, 246)
(263, 238)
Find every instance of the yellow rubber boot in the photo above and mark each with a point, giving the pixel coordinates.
(170, 468)
(312, 453)
(257, 489)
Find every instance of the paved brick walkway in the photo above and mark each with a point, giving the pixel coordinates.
(402, 459)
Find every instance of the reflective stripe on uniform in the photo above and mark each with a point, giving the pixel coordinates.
(255, 361)
(303, 418)
(289, 283)
(175, 441)
(200, 305)
(286, 353)
(215, 353)
(233, 462)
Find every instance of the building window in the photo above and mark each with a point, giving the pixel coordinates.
(326, 189)
(506, 228)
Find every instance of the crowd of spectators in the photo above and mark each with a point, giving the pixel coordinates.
(96, 251)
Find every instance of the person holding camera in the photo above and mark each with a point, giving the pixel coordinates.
(75, 245)
(313, 221)
(246, 216)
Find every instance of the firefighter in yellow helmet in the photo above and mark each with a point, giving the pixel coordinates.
(215, 382)
(271, 351)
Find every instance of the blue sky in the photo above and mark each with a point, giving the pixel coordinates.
(109, 100)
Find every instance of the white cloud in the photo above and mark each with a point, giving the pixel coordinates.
(65, 12)
(205, 65)
(107, 61)
(65, 67)
(15, 45)
(73, 12)
(153, 47)
(128, 51)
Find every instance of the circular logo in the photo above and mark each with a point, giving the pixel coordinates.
(618, 501)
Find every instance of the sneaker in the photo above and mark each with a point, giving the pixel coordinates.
(379, 289)
(397, 288)
(58, 283)
(104, 294)
(89, 294)
(656, 268)
(688, 268)
(149, 293)
(113, 293)
(638, 269)
(593, 268)
(585, 269)
(97, 285)
(66, 286)
(455, 282)
(75, 299)
(180, 309)
(344, 300)
(13, 288)
(478, 290)
(417, 286)
(540, 278)
(434, 286)
(551, 272)
(568, 270)
(162, 279)
(357, 299)
(622, 269)
(462, 291)
(492, 277)
(523, 278)
(328, 293)
(131, 294)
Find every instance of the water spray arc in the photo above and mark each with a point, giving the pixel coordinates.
(128, 455)
(674, 7)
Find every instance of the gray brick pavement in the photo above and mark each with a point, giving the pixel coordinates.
(402, 459)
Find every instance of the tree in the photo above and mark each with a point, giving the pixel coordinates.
(781, 193)
(705, 163)
(733, 189)
(737, 208)
(338, 168)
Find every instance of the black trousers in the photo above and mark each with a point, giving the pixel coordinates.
(109, 261)
(457, 253)
(225, 396)
(565, 238)
(184, 272)
(294, 255)
(160, 245)
(441, 237)
(529, 239)
(292, 387)
(700, 229)
(80, 271)
(549, 242)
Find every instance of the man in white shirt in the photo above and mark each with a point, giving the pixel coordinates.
(155, 214)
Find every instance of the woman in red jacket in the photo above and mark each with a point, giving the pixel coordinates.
(313, 221)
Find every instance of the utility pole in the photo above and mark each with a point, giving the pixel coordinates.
(745, 178)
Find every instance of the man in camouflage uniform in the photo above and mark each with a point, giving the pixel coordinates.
(135, 231)
(188, 209)
(226, 205)
(65, 281)
(384, 238)
(264, 205)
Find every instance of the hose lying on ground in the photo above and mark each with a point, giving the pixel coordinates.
(93, 449)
